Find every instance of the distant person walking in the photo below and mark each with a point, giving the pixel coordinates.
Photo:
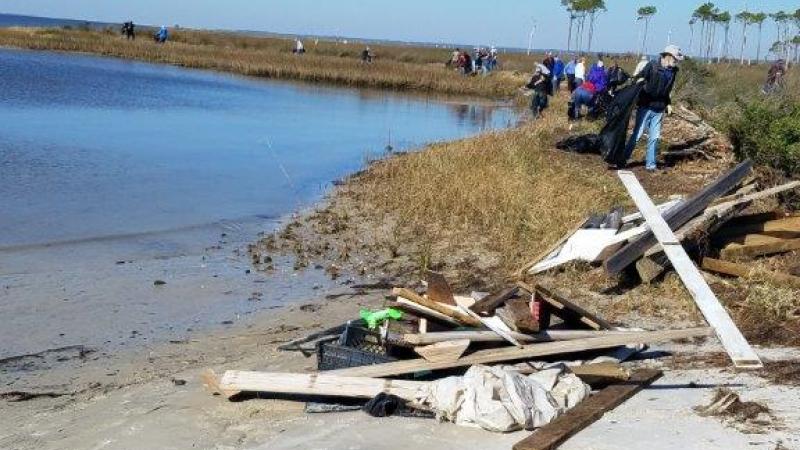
(162, 35)
(539, 86)
(569, 71)
(558, 73)
(580, 71)
(299, 48)
(366, 56)
(775, 77)
(128, 30)
(658, 79)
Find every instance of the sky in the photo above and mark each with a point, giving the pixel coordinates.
(505, 23)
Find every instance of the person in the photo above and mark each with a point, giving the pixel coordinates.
(366, 56)
(657, 79)
(583, 95)
(466, 63)
(299, 49)
(558, 73)
(538, 84)
(616, 76)
(598, 77)
(162, 34)
(642, 62)
(580, 71)
(454, 57)
(569, 71)
(775, 77)
(128, 30)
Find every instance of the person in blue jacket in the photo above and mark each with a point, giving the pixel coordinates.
(598, 77)
(558, 73)
(569, 71)
(162, 35)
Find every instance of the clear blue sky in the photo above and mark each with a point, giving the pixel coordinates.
(504, 23)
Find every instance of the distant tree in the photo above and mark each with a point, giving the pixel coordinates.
(758, 19)
(724, 19)
(795, 43)
(569, 5)
(692, 21)
(782, 19)
(706, 13)
(645, 13)
(746, 18)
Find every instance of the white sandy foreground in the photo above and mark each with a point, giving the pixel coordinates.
(159, 414)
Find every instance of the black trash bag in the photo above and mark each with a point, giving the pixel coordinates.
(585, 143)
(614, 133)
(384, 405)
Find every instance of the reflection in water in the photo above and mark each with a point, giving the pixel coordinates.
(95, 147)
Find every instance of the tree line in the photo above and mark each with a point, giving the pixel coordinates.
(714, 40)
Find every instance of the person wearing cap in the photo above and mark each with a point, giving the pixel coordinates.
(657, 79)
(539, 85)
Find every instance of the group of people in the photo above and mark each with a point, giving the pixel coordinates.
(775, 76)
(482, 61)
(129, 31)
(589, 88)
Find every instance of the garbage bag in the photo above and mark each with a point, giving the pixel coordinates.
(503, 400)
(618, 115)
(585, 143)
(383, 405)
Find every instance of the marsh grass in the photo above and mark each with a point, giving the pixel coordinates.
(272, 58)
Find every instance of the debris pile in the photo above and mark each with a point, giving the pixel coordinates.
(526, 356)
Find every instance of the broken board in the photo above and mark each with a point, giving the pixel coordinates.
(447, 351)
(587, 412)
(729, 335)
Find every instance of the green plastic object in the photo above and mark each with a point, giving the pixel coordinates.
(373, 318)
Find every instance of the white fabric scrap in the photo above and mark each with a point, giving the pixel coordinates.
(501, 399)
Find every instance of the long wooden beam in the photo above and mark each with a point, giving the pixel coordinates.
(491, 336)
(585, 413)
(732, 340)
(527, 352)
(743, 271)
(323, 384)
(678, 216)
(412, 296)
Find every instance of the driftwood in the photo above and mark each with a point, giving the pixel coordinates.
(743, 271)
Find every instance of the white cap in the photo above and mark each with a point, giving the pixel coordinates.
(673, 50)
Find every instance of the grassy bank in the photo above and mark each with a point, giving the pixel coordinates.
(272, 58)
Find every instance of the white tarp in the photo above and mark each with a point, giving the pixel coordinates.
(501, 399)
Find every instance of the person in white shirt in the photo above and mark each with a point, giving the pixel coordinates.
(298, 47)
(580, 71)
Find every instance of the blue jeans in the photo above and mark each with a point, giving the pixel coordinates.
(646, 117)
(579, 98)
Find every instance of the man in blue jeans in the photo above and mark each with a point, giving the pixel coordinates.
(658, 78)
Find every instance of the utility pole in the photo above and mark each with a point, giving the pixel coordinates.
(530, 36)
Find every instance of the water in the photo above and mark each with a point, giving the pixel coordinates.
(93, 147)
(114, 174)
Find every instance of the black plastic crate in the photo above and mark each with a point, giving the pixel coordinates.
(363, 339)
(334, 356)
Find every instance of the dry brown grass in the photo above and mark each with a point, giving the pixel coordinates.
(508, 192)
(271, 58)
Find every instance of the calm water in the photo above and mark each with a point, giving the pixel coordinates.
(93, 147)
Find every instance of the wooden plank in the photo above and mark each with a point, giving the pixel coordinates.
(438, 288)
(782, 228)
(555, 433)
(566, 309)
(743, 271)
(747, 251)
(517, 315)
(666, 206)
(654, 263)
(491, 336)
(493, 301)
(678, 216)
(527, 352)
(212, 384)
(732, 340)
(446, 351)
(322, 384)
(492, 323)
(421, 310)
(412, 296)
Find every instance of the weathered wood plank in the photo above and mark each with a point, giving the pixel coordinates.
(491, 336)
(732, 340)
(412, 296)
(517, 315)
(587, 412)
(446, 351)
(527, 352)
(752, 250)
(567, 310)
(493, 301)
(743, 271)
(678, 216)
